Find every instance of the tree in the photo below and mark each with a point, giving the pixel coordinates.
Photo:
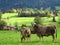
(54, 19)
(54, 16)
(2, 24)
(0, 15)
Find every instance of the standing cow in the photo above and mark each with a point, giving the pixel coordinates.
(44, 30)
(25, 32)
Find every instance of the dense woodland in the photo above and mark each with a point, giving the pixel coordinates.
(29, 12)
(9, 4)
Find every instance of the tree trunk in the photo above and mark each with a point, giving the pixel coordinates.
(54, 19)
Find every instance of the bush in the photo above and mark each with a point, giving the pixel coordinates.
(2, 24)
(38, 20)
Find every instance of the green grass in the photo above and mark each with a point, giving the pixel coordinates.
(19, 20)
(13, 37)
(5, 15)
(9, 37)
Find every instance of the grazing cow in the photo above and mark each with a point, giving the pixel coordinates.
(9, 28)
(25, 32)
(44, 30)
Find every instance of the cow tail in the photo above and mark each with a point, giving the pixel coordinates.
(56, 33)
(55, 30)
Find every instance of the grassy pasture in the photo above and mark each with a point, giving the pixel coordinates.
(5, 15)
(13, 37)
(20, 20)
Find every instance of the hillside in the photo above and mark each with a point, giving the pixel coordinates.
(8, 4)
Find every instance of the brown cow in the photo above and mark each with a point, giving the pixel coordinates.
(9, 28)
(25, 32)
(44, 30)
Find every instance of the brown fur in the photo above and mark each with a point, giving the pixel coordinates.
(25, 33)
(9, 28)
(44, 30)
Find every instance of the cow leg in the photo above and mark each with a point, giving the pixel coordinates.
(28, 37)
(39, 36)
(22, 38)
(42, 38)
(53, 37)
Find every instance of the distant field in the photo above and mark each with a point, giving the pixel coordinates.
(22, 20)
(13, 37)
(5, 15)
(13, 18)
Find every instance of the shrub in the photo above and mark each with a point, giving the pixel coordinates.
(38, 20)
(2, 24)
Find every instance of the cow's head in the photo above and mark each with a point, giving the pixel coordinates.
(35, 28)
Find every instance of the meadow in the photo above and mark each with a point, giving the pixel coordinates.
(13, 37)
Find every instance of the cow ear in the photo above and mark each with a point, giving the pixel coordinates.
(36, 26)
(33, 24)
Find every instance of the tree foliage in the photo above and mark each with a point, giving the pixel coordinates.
(2, 24)
(32, 13)
(0, 15)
